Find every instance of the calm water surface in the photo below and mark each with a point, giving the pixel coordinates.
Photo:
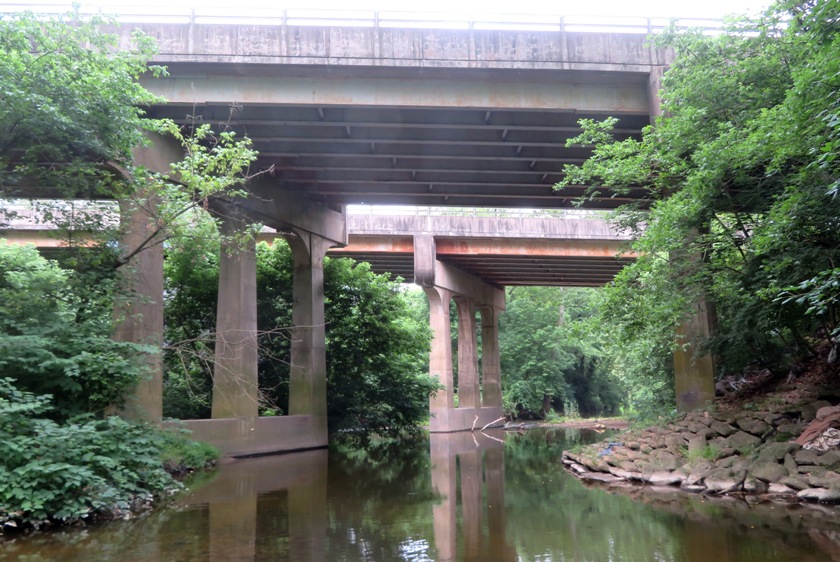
(466, 497)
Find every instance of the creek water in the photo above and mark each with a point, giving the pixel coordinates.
(466, 497)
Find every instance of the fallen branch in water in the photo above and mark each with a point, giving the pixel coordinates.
(489, 424)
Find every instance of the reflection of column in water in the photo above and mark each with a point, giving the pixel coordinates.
(233, 496)
(471, 499)
(479, 544)
(308, 519)
(233, 525)
(706, 542)
(494, 472)
(443, 482)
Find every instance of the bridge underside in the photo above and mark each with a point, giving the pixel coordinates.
(431, 137)
(500, 262)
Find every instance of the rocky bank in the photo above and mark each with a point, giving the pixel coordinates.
(749, 451)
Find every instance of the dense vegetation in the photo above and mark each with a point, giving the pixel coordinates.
(553, 357)
(377, 349)
(744, 180)
(70, 116)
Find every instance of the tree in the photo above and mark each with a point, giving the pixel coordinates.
(742, 174)
(71, 103)
(550, 356)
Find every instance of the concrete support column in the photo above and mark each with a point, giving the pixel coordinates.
(491, 370)
(440, 357)
(235, 387)
(694, 372)
(308, 378)
(469, 392)
(138, 312)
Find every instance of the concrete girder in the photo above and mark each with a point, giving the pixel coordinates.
(399, 92)
(276, 207)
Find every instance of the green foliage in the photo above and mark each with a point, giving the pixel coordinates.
(179, 453)
(709, 452)
(377, 347)
(54, 472)
(70, 101)
(55, 340)
(742, 172)
(552, 356)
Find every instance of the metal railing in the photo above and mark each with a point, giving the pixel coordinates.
(190, 14)
(490, 212)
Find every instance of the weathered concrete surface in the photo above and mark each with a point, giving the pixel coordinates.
(491, 370)
(400, 47)
(469, 390)
(280, 209)
(398, 92)
(694, 370)
(440, 355)
(242, 437)
(308, 369)
(485, 227)
(235, 386)
(139, 319)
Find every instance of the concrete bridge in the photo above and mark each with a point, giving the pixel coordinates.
(380, 115)
(465, 258)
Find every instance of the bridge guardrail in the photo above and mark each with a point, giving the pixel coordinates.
(192, 14)
(488, 212)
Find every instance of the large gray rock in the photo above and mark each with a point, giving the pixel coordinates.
(806, 456)
(769, 471)
(723, 428)
(662, 460)
(820, 494)
(753, 426)
(829, 458)
(754, 485)
(625, 474)
(792, 429)
(780, 489)
(727, 462)
(665, 478)
(794, 482)
(823, 479)
(777, 451)
(743, 442)
(722, 480)
(697, 443)
(600, 477)
(809, 411)
(675, 442)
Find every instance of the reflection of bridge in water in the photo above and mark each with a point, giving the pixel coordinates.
(253, 495)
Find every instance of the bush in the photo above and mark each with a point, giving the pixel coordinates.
(53, 472)
(55, 335)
